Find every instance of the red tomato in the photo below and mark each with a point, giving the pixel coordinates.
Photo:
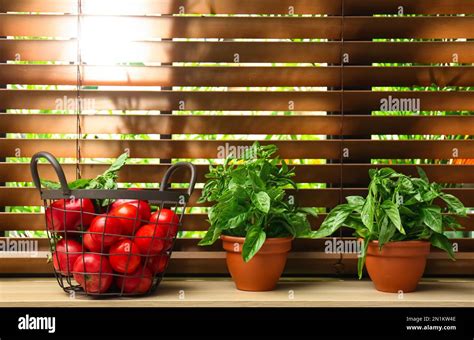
(145, 283)
(165, 218)
(124, 256)
(65, 215)
(138, 282)
(90, 244)
(65, 255)
(105, 230)
(157, 264)
(93, 273)
(152, 240)
(134, 189)
(128, 216)
(143, 206)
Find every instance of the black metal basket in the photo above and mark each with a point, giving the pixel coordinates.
(112, 250)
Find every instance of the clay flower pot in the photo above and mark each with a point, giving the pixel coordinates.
(399, 266)
(262, 272)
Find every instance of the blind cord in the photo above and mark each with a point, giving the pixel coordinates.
(78, 91)
(339, 264)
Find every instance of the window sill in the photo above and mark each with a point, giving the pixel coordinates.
(220, 292)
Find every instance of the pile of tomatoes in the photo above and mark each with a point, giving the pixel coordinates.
(127, 245)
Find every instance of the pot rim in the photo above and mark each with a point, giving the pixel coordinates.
(272, 240)
(401, 244)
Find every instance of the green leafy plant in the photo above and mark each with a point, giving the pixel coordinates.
(106, 181)
(250, 200)
(397, 208)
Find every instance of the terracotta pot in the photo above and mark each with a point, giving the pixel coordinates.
(399, 266)
(262, 272)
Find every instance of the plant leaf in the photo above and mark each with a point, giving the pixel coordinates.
(80, 183)
(429, 196)
(310, 211)
(355, 222)
(211, 236)
(50, 184)
(118, 164)
(422, 174)
(431, 216)
(299, 225)
(405, 184)
(372, 173)
(451, 223)
(238, 220)
(362, 256)
(74, 185)
(367, 213)
(334, 220)
(406, 211)
(261, 200)
(254, 240)
(385, 172)
(393, 214)
(355, 200)
(442, 242)
(387, 230)
(414, 199)
(454, 204)
(256, 180)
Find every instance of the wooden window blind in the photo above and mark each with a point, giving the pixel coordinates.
(339, 86)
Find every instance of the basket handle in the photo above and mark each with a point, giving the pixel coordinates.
(172, 169)
(57, 167)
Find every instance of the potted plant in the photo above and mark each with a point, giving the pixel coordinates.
(254, 216)
(396, 223)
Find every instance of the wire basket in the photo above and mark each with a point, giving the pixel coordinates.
(108, 242)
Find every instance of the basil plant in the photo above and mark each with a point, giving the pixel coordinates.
(397, 208)
(249, 199)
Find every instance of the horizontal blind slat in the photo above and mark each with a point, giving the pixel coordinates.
(329, 149)
(146, 27)
(330, 7)
(191, 124)
(360, 52)
(354, 76)
(318, 173)
(354, 101)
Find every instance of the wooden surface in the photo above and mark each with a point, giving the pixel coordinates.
(236, 124)
(235, 100)
(288, 27)
(361, 52)
(230, 76)
(330, 7)
(294, 149)
(321, 292)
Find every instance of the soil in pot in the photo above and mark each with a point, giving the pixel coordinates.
(399, 266)
(263, 271)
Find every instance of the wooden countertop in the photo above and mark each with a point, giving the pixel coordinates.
(220, 292)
